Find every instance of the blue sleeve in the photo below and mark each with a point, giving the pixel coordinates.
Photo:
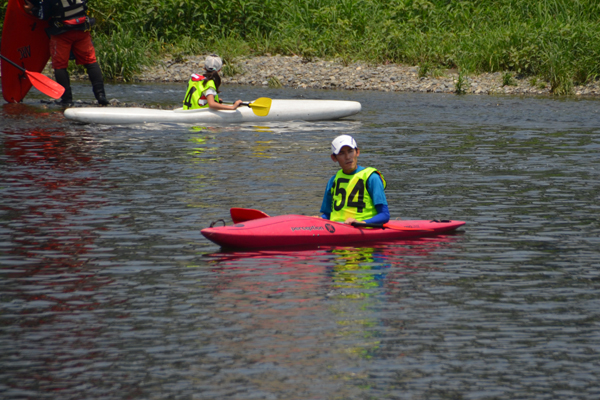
(377, 193)
(382, 217)
(327, 199)
(376, 190)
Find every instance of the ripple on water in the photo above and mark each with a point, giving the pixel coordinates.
(108, 289)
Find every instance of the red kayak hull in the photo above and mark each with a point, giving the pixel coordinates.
(24, 42)
(305, 231)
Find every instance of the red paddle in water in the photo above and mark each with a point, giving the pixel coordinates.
(239, 215)
(41, 82)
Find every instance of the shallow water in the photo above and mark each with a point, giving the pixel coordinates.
(108, 290)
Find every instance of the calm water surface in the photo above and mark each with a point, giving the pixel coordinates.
(108, 290)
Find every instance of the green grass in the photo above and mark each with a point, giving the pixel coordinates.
(507, 79)
(556, 41)
(121, 54)
(461, 84)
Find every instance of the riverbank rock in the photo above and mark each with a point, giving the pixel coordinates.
(299, 73)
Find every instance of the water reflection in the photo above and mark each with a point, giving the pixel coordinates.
(355, 268)
(50, 277)
(284, 308)
(23, 111)
(45, 201)
(106, 291)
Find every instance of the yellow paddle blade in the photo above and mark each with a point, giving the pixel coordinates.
(261, 106)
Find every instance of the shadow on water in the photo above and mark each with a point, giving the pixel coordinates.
(108, 290)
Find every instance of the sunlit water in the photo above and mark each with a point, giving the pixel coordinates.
(108, 290)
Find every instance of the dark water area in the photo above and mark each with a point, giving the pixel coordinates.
(109, 291)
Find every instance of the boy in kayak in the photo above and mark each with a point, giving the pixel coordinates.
(355, 193)
(203, 90)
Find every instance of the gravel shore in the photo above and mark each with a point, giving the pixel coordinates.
(296, 72)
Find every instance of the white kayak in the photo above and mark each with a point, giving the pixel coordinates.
(281, 110)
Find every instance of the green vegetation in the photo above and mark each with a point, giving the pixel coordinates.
(507, 79)
(3, 6)
(554, 40)
(461, 83)
(274, 83)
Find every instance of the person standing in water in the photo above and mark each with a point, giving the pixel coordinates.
(69, 32)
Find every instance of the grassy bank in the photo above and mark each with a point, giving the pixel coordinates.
(555, 40)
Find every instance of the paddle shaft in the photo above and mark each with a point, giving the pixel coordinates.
(366, 225)
(260, 107)
(13, 64)
(251, 104)
(386, 226)
(242, 104)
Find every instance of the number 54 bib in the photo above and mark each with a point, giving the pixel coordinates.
(350, 196)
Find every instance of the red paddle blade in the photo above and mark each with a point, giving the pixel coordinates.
(45, 84)
(246, 214)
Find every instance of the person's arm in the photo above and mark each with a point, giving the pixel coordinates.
(30, 8)
(382, 217)
(327, 199)
(41, 11)
(213, 104)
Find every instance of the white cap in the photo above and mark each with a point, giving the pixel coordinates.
(341, 141)
(213, 63)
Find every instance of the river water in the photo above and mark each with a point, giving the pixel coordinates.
(108, 290)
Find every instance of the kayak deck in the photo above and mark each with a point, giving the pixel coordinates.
(301, 230)
(281, 110)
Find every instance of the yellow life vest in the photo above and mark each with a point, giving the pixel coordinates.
(350, 196)
(194, 97)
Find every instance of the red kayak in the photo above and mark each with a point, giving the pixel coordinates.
(261, 231)
(24, 42)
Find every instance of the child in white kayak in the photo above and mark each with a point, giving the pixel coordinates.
(355, 193)
(203, 90)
